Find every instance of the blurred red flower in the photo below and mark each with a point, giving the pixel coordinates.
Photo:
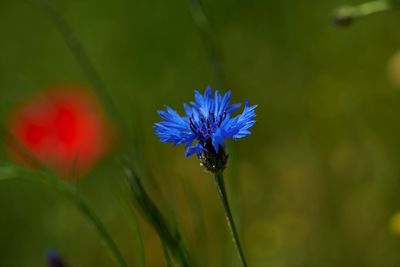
(62, 127)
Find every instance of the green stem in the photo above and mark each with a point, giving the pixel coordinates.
(137, 236)
(52, 180)
(170, 237)
(220, 184)
(79, 53)
(167, 258)
(90, 216)
(203, 25)
(101, 230)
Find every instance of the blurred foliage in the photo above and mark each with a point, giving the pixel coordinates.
(319, 179)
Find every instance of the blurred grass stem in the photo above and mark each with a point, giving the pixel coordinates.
(202, 22)
(71, 193)
(167, 258)
(174, 240)
(92, 218)
(220, 184)
(170, 237)
(137, 236)
(80, 54)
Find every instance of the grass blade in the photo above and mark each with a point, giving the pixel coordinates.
(170, 237)
(137, 236)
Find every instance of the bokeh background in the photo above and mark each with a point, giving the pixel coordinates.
(316, 184)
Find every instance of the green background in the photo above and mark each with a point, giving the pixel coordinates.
(317, 182)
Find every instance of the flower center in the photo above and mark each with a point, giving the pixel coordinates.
(205, 126)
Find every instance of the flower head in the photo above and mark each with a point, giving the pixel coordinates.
(207, 123)
(62, 127)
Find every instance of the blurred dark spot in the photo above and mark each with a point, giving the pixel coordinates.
(54, 259)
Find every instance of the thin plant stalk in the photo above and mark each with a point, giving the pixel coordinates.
(170, 236)
(94, 220)
(137, 236)
(91, 73)
(80, 55)
(220, 184)
(167, 258)
(202, 23)
(88, 68)
(88, 213)
(71, 193)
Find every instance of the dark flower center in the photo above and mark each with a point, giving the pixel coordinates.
(206, 126)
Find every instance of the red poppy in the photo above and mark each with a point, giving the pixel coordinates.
(63, 128)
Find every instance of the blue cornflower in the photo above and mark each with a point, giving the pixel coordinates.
(207, 123)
